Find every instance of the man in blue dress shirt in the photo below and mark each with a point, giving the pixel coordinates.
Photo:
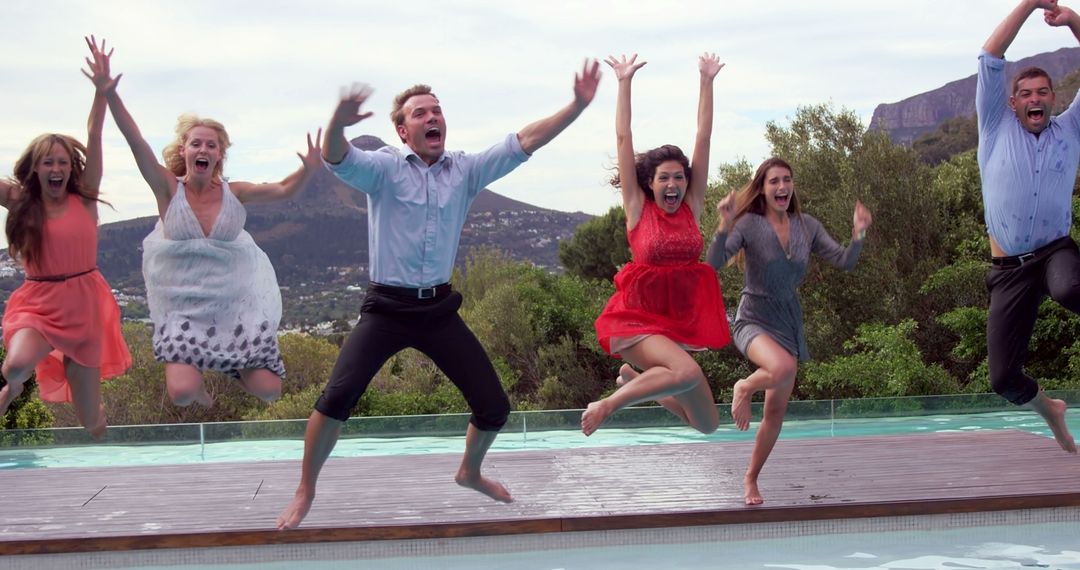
(418, 197)
(1028, 163)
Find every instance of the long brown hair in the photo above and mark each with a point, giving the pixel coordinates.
(751, 198)
(646, 163)
(26, 216)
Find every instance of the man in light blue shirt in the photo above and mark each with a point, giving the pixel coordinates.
(1028, 162)
(418, 197)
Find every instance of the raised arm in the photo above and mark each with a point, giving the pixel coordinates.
(709, 65)
(98, 62)
(1006, 31)
(8, 192)
(539, 133)
(161, 181)
(346, 114)
(1062, 16)
(633, 197)
(310, 163)
(727, 241)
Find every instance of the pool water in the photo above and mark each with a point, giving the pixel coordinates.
(1054, 546)
(105, 455)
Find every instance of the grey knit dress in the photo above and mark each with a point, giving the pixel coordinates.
(770, 302)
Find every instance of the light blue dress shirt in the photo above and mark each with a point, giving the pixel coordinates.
(415, 211)
(1027, 181)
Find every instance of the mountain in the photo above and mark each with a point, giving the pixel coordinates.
(320, 236)
(906, 120)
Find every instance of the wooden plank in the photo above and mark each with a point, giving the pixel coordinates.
(397, 497)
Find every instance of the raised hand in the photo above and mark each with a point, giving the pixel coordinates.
(1058, 16)
(313, 159)
(725, 211)
(709, 65)
(861, 220)
(586, 82)
(98, 62)
(624, 68)
(348, 112)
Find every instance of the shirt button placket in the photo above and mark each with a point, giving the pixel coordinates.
(430, 226)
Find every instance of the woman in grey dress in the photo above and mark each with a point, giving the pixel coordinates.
(764, 222)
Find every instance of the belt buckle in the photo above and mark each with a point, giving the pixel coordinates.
(425, 293)
(1025, 257)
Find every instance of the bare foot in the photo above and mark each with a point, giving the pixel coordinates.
(626, 374)
(296, 511)
(489, 487)
(7, 395)
(1054, 414)
(740, 406)
(594, 416)
(752, 495)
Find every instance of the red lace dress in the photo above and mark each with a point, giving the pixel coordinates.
(77, 315)
(665, 290)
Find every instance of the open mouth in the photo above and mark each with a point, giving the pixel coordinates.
(433, 135)
(782, 200)
(56, 183)
(202, 164)
(1036, 113)
(671, 197)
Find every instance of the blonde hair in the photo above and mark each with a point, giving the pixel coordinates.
(171, 155)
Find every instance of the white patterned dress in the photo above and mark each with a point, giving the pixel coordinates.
(214, 300)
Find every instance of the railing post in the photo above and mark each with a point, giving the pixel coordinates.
(202, 441)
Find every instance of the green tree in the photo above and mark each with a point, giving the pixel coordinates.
(598, 248)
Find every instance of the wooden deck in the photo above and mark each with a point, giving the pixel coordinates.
(396, 497)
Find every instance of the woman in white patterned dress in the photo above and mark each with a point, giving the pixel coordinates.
(212, 292)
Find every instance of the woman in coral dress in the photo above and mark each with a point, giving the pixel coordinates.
(63, 322)
(213, 294)
(666, 303)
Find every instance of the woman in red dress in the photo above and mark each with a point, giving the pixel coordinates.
(666, 302)
(63, 321)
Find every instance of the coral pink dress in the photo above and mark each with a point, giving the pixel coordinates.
(665, 290)
(67, 300)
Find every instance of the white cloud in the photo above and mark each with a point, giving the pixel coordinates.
(271, 70)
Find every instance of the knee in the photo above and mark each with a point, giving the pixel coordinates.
(708, 425)
(183, 394)
(1066, 292)
(267, 391)
(783, 372)
(492, 415)
(17, 370)
(687, 376)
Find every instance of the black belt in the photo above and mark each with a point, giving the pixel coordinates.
(411, 292)
(55, 278)
(1018, 260)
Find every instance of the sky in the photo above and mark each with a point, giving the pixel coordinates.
(272, 70)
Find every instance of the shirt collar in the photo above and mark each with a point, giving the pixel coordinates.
(407, 151)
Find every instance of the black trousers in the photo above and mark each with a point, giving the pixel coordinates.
(1015, 295)
(390, 323)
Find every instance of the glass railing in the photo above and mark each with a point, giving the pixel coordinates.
(823, 414)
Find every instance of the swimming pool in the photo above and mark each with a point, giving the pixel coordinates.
(1044, 538)
(517, 438)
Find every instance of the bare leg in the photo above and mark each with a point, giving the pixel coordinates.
(775, 375)
(477, 443)
(261, 383)
(668, 372)
(85, 386)
(185, 385)
(1053, 411)
(319, 440)
(627, 373)
(772, 421)
(26, 349)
